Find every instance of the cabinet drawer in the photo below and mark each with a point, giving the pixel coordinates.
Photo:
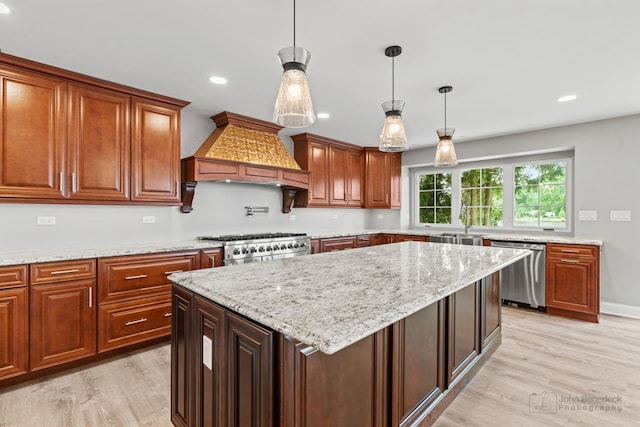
(572, 250)
(337, 244)
(62, 271)
(363, 240)
(13, 276)
(126, 323)
(137, 276)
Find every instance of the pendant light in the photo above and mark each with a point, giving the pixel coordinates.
(393, 136)
(445, 153)
(293, 107)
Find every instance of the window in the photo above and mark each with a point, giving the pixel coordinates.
(540, 195)
(532, 192)
(481, 191)
(434, 198)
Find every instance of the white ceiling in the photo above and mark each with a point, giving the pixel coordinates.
(508, 61)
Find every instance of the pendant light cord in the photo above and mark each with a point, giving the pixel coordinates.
(445, 113)
(294, 25)
(393, 82)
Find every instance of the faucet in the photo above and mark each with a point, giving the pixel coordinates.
(464, 208)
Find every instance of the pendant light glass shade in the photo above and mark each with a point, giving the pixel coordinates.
(393, 136)
(293, 107)
(446, 153)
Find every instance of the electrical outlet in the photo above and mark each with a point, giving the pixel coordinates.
(46, 220)
(380, 216)
(334, 216)
(292, 217)
(148, 219)
(587, 215)
(620, 215)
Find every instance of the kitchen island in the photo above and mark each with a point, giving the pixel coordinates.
(377, 336)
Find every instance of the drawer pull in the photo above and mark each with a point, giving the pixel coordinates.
(572, 261)
(73, 270)
(571, 251)
(139, 276)
(174, 271)
(167, 315)
(135, 322)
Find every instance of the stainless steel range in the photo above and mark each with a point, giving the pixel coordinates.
(245, 248)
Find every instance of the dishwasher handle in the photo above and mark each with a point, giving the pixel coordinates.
(519, 245)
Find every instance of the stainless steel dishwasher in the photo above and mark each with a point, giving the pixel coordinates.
(524, 281)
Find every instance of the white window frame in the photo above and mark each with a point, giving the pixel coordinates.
(508, 165)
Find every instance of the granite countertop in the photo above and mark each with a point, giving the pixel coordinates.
(31, 256)
(332, 300)
(532, 238)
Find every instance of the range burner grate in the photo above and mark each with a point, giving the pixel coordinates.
(255, 236)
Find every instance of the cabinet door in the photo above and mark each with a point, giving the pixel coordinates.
(314, 246)
(490, 310)
(182, 348)
(14, 332)
(99, 143)
(318, 193)
(210, 376)
(418, 377)
(339, 174)
(62, 322)
(572, 285)
(377, 179)
(355, 167)
(396, 180)
(463, 340)
(155, 152)
(212, 258)
(32, 132)
(250, 391)
(409, 237)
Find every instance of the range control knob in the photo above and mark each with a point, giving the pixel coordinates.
(296, 245)
(290, 245)
(244, 250)
(261, 249)
(253, 249)
(269, 248)
(236, 251)
(303, 244)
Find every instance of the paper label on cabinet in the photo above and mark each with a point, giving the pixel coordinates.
(207, 354)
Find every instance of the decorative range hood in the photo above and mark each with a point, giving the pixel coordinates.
(243, 149)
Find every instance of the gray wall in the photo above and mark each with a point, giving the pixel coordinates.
(605, 170)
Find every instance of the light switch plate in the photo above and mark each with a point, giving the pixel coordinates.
(207, 353)
(292, 217)
(587, 215)
(620, 215)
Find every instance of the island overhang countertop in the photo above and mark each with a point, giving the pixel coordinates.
(332, 300)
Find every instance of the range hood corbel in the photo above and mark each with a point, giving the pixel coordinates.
(243, 149)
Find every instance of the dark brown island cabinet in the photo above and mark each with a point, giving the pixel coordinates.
(227, 370)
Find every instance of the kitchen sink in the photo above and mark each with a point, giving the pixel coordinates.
(457, 239)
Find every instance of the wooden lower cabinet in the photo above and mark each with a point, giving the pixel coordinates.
(573, 281)
(14, 331)
(410, 237)
(62, 322)
(314, 246)
(491, 313)
(212, 258)
(337, 244)
(230, 371)
(418, 364)
(463, 333)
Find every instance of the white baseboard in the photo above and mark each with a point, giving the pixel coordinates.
(620, 309)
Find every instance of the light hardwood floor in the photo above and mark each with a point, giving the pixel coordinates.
(542, 360)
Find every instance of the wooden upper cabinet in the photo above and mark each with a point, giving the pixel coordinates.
(32, 132)
(314, 157)
(70, 138)
(336, 171)
(383, 181)
(98, 143)
(155, 151)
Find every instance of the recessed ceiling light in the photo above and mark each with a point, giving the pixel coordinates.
(218, 80)
(323, 115)
(4, 8)
(567, 98)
